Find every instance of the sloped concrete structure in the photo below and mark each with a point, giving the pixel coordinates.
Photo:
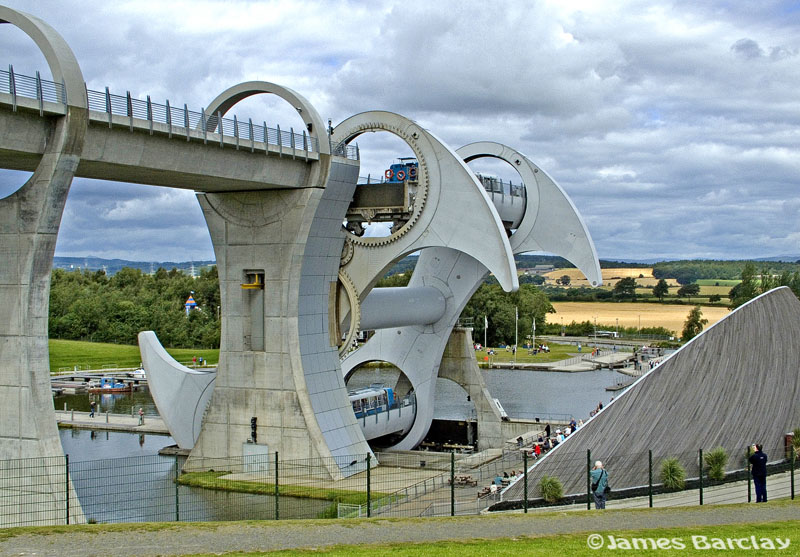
(737, 383)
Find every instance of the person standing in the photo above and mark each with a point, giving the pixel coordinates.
(599, 484)
(758, 463)
(547, 430)
(92, 406)
(141, 416)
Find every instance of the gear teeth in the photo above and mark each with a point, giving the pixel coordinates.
(355, 312)
(419, 201)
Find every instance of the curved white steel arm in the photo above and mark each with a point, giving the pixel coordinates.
(417, 351)
(551, 223)
(455, 211)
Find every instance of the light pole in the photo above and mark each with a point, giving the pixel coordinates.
(516, 321)
(595, 331)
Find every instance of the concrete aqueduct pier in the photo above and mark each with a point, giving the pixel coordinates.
(296, 286)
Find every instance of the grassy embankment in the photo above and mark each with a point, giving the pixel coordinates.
(66, 354)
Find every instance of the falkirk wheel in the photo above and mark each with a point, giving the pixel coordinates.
(462, 232)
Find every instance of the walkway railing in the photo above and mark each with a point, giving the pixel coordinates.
(176, 118)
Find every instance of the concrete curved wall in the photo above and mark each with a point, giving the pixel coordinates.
(30, 220)
(181, 394)
(735, 384)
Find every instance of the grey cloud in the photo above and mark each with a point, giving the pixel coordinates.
(747, 48)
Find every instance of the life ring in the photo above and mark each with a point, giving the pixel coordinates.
(401, 175)
(412, 172)
(389, 174)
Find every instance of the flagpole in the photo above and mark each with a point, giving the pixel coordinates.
(516, 321)
(485, 327)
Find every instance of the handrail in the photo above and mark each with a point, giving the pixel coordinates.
(175, 116)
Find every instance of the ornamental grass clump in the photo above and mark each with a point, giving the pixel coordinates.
(673, 474)
(715, 461)
(551, 489)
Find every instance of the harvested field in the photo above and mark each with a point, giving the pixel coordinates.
(629, 314)
(610, 276)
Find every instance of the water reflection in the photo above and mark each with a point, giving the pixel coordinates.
(114, 403)
(119, 477)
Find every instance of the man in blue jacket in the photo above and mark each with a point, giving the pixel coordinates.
(758, 463)
(599, 483)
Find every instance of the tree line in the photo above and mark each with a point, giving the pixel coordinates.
(90, 305)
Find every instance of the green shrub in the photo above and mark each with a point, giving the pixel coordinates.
(673, 475)
(796, 442)
(715, 461)
(551, 489)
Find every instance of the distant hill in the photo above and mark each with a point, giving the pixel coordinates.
(111, 266)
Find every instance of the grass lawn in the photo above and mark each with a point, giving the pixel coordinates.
(557, 352)
(728, 283)
(676, 541)
(465, 535)
(212, 480)
(66, 354)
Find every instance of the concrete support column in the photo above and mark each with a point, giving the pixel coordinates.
(278, 362)
(459, 365)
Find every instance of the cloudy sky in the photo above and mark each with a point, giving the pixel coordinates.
(673, 126)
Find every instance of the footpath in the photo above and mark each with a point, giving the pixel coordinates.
(131, 540)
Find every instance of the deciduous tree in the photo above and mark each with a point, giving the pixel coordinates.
(694, 324)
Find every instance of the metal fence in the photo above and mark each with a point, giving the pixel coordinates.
(55, 490)
(176, 118)
(640, 480)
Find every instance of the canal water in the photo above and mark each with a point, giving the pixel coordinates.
(527, 394)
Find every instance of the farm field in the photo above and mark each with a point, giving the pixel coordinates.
(610, 277)
(629, 314)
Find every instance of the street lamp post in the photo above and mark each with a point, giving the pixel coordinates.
(516, 321)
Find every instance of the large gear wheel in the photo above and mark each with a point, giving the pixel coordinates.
(422, 187)
(349, 288)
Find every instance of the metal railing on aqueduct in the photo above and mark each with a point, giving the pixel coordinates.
(174, 117)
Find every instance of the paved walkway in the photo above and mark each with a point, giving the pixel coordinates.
(110, 422)
(778, 487)
(222, 537)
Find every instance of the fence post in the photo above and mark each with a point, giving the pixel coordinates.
(749, 492)
(588, 479)
(791, 468)
(177, 493)
(369, 502)
(277, 514)
(650, 476)
(525, 479)
(700, 462)
(452, 483)
(66, 482)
